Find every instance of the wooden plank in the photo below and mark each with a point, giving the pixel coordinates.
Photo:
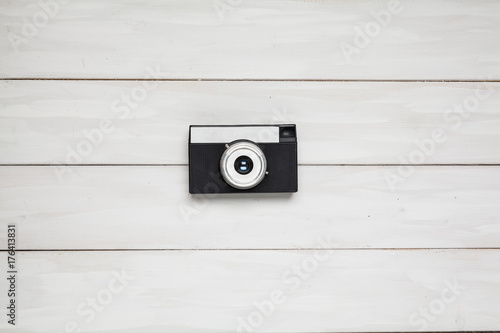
(149, 208)
(254, 39)
(215, 291)
(50, 122)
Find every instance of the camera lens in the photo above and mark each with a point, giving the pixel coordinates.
(243, 165)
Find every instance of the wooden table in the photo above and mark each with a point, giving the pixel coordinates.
(396, 225)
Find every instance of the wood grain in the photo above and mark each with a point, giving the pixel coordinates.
(210, 291)
(41, 122)
(150, 208)
(124, 79)
(425, 40)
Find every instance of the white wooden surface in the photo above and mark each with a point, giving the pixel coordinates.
(200, 264)
(356, 122)
(443, 39)
(150, 208)
(192, 291)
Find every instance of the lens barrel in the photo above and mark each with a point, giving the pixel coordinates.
(243, 165)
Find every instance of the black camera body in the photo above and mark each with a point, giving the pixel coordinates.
(242, 159)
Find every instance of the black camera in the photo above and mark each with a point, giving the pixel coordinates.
(242, 158)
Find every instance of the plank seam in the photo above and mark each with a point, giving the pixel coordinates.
(260, 249)
(247, 80)
(302, 165)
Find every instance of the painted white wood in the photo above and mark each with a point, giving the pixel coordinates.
(200, 291)
(150, 208)
(365, 283)
(422, 40)
(338, 122)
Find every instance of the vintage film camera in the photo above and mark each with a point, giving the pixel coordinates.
(242, 158)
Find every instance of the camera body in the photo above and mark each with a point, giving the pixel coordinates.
(242, 159)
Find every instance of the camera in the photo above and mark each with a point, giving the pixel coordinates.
(242, 158)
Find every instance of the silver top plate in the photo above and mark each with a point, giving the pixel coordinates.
(226, 134)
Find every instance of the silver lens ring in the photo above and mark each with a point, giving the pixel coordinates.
(228, 170)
